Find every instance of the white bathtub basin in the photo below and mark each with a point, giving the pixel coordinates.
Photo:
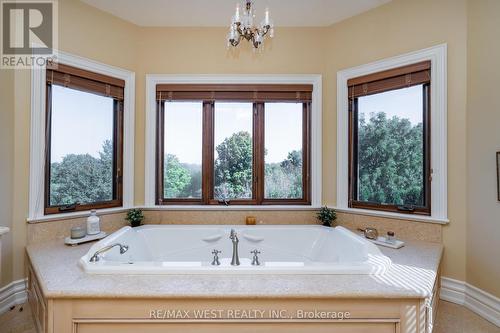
(181, 249)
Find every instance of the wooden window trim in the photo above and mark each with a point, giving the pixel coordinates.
(239, 93)
(95, 87)
(392, 79)
(83, 80)
(236, 92)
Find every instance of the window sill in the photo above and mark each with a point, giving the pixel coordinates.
(398, 216)
(357, 211)
(231, 207)
(75, 215)
(106, 211)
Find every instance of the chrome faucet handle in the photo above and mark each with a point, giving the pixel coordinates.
(123, 249)
(216, 261)
(255, 259)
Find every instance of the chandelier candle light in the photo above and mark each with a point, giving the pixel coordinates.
(242, 26)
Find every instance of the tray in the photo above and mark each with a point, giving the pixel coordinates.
(88, 238)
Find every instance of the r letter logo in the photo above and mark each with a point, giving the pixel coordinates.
(29, 33)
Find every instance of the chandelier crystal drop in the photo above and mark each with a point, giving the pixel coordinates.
(243, 27)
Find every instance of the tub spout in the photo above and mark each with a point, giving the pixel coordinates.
(95, 257)
(235, 261)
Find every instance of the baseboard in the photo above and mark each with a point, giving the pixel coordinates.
(12, 294)
(473, 298)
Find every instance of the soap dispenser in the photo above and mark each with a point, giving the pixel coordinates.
(93, 223)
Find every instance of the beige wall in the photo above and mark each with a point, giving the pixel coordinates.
(398, 27)
(83, 31)
(483, 141)
(6, 169)
(196, 51)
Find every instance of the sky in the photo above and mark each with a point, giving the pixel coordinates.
(81, 122)
(183, 128)
(404, 103)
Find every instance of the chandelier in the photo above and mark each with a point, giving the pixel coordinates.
(242, 26)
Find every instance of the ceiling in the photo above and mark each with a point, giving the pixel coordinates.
(213, 13)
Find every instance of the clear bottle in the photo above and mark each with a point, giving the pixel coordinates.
(93, 223)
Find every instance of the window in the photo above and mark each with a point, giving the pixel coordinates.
(284, 142)
(182, 144)
(84, 140)
(233, 144)
(233, 150)
(389, 140)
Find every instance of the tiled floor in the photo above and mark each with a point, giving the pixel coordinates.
(451, 318)
(17, 320)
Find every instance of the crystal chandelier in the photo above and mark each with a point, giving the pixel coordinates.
(242, 26)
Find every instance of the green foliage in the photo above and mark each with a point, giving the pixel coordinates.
(135, 217)
(193, 189)
(233, 167)
(390, 169)
(176, 177)
(390, 161)
(82, 178)
(327, 216)
(284, 180)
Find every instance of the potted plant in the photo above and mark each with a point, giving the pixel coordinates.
(135, 217)
(327, 216)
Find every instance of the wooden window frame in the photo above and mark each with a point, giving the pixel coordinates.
(388, 80)
(90, 82)
(258, 95)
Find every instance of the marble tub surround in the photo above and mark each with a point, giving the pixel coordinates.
(60, 229)
(403, 229)
(227, 216)
(412, 275)
(110, 222)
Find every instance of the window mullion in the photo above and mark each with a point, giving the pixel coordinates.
(258, 152)
(306, 160)
(160, 152)
(208, 152)
(118, 150)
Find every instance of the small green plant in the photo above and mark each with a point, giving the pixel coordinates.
(135, 217)
(327, 216)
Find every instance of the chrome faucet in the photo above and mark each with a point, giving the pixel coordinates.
(95, 257)
(235, 261)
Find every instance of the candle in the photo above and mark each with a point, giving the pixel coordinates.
(78, 232)
(266, 20)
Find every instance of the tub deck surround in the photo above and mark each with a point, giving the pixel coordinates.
(66, 299)
(412, 275)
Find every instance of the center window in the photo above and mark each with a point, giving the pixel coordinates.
(233, 145)
(233, 151)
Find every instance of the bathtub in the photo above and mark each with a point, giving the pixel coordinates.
(187, 249)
